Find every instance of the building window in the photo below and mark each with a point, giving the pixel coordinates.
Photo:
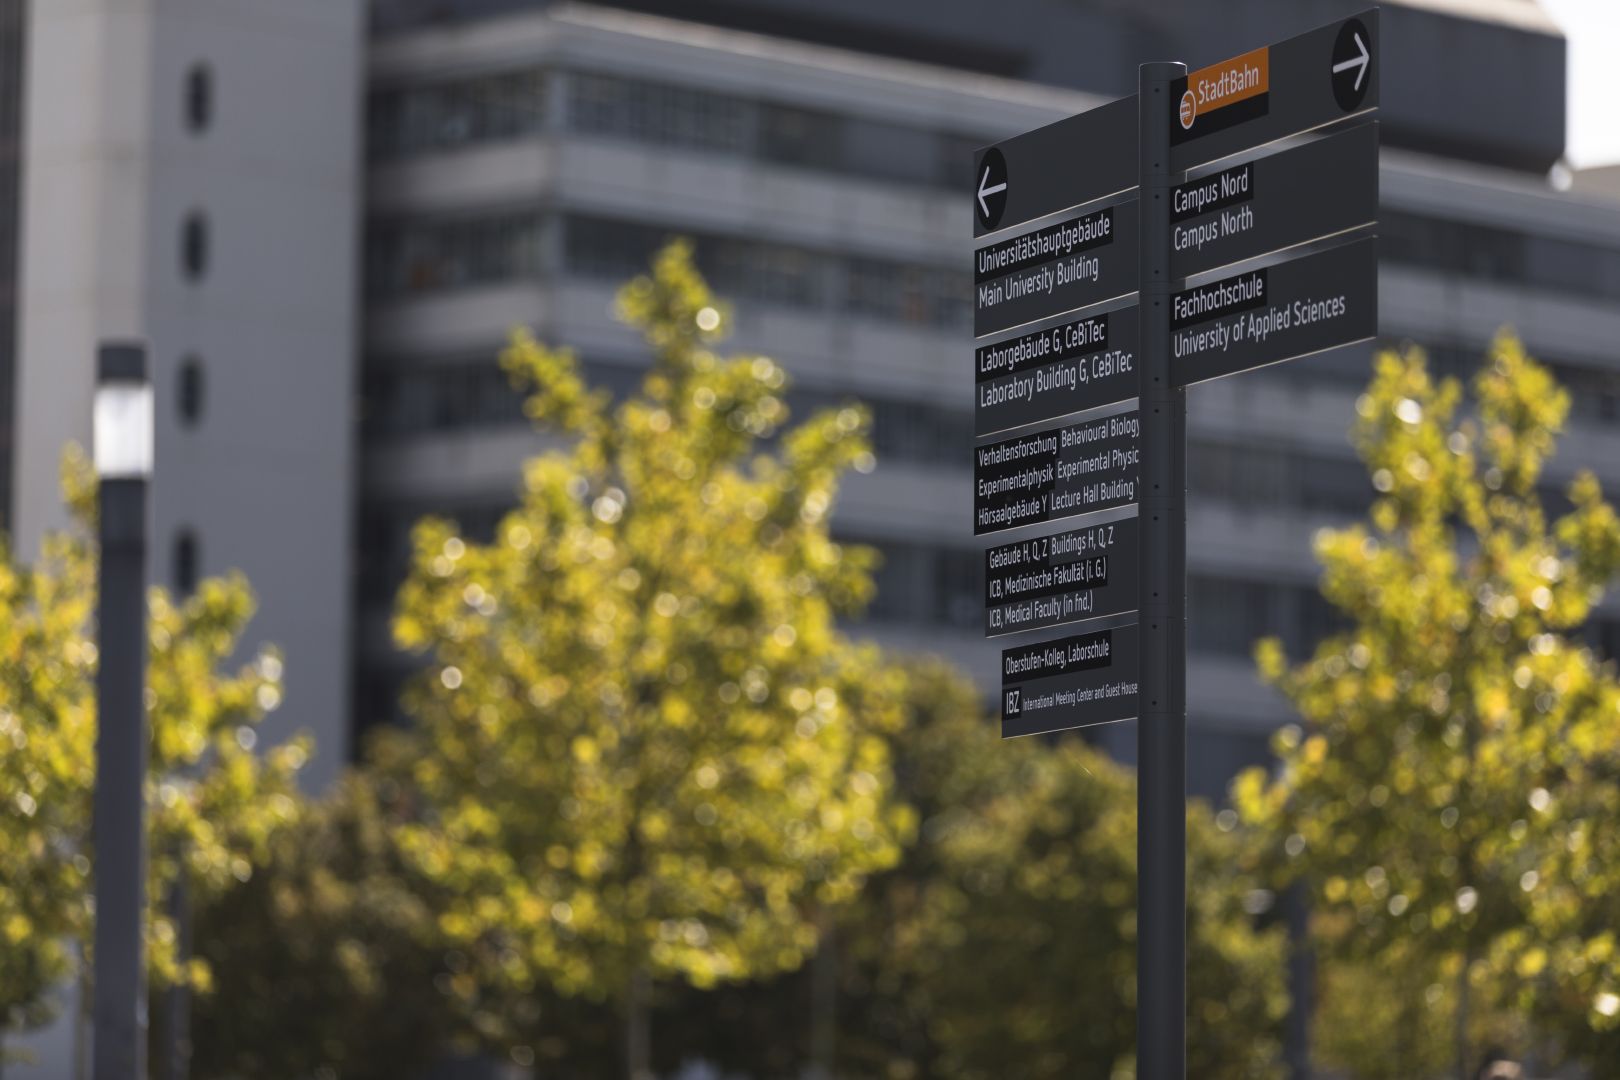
(194, 246)
(199, 98)
(185, 562)
(424, 256)
(442, 116)
(189, 391)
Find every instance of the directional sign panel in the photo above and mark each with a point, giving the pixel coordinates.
(1084, 364)
(1292, 309)
(1319, 77)
(1074, 161)
(1072, 682)
(1303, 83)
(1076, 469)
(1085, 573)
(1072, 264)
(1325, 187)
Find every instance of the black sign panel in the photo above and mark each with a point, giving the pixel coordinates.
(1076, 469)
(1049, 373)
(1085, 573)
(1072, 682)
(1292, 309)
(1293, 86)
(1077, 160)
(1316, 78)
(1072, 264)
(1324, 187)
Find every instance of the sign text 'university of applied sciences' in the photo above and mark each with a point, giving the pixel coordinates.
(1071, 682)
(1079, 365)
(1067, 265)
(1085, 573)
(1307, 305)
(1079, 468)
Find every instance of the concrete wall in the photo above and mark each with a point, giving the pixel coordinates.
(264, 477)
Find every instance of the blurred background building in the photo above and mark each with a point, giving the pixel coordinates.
(326, 236)
(524, 158)
(314, 227)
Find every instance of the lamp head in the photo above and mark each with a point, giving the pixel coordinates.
(122, 426)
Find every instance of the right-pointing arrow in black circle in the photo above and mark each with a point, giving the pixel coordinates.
(1352, 65)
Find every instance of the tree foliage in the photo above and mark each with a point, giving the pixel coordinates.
(1004, 943)
(1011, 935)
(212, 802)
(646, 750)
(328, 961)
(1449, 797)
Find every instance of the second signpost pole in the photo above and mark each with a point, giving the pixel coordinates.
(1161, 729)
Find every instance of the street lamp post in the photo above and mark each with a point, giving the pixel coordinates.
(122, 438)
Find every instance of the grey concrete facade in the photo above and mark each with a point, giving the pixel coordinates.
(191, 179)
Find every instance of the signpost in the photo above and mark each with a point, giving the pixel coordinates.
(1218, 221)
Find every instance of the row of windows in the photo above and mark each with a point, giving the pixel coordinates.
(440, 116)
(1256, 476)
(477, 396)
(414, 257)
(917, 584)
(405, 121)
(1499, 254)
(427, 256)
(940, 587)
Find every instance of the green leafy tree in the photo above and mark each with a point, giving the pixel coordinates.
(1014, 936)
(212, 801)
(1004, 943)
(648, 752)
(328, 961)
(1446, 800)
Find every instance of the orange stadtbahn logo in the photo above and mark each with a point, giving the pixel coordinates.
(1225, 83)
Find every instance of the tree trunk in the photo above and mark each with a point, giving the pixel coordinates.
(823, 998)
(176, 1064)
(637, 1033)
(81, 1026)
(1462, 1014)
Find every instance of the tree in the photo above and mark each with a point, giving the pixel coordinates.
(328, 961)
(212, 802)
(647, 752)
(1004, 942)
(1443, 801)
(1013, 936)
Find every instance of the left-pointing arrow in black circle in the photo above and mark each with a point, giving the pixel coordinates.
(990, 198)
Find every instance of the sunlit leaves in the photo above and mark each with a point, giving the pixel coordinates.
(643, 742)
(212, 799)
(1462, 740)
(1007, 939)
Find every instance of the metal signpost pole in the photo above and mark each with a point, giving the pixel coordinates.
(1161, 728)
